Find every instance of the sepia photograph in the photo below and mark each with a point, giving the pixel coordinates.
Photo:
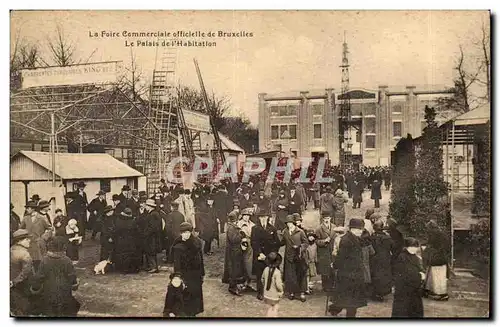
(182, 164)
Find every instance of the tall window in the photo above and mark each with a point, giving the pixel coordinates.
(396, 129)
(317, 131)
(283, 128)
(370, 125)
(275, 132)
(370, 142)
(292, 129)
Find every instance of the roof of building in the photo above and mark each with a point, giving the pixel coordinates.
(81, 165)
(227, 144)
(478, 116)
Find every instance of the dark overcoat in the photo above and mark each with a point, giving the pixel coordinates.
(177, 219)
(107, 233)
(407, 295)
(281, 209)
(96, 211)
(295, 202)
(188, 261)
(234, 265)
(376, 192)
(380, 263)
(357, 191)
(350, 279)
(127, 240)
(206, 223)
(325, 249)
(295, 267)
(152, 233)
(263, 241)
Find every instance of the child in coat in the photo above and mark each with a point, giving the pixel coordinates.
(74, 240)
(174, 299)
(311, 257)
(273, 283)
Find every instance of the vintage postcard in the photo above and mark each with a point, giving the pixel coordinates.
(250, 164)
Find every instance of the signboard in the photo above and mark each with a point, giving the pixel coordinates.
(95, 73)
(197, 121)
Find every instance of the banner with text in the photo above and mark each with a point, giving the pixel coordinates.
(197, 121)
(95, 73)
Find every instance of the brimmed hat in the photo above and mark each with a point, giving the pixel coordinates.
(185, 227)
(81, 184)
(233, 216)
(357, 223)
(175, 274)
(135, 192)
(35, 197)
(312, 233)
(143, 193)
(339, 192)
(101, 192)
(236, 203)
(247, 211)
(126, 188)
(20, 234)
(43, 204)
(116, 197)
(127, 212)
(289, 219)
(328, 188)
(31, 204)
(70, 195)
(175, 204)
(274, 259)
(263, 213)
(108, 209)
(296, 217)
(150, 203)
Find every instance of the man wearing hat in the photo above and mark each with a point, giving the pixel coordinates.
(327, 203)
(39, 229)
(107, 233)
(21, 273)
(118, 204)
(177, 219)
(295, 268)
(234, 265)
(81, 204)
(295, 201)
(96, 210)
(206, 224)
(124, 195)
(133, 202)
(264, 241)
(281, 208)
(350, 292)
(126, 257)
(151, 236)
(325, 237)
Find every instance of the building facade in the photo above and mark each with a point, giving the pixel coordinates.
(307, 123)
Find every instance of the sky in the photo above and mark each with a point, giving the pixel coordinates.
(289, 50)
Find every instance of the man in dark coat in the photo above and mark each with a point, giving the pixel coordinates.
(408, 273)
(96, 210)
(21, 274)
(295, 267)
(118, 204)
(376, 191)
(380, 267)
(357, 193)
(325, 236)
(295, 201)
(350, 290)
(126, 256)
(15, 221)
(177, 219)
(133, 202)
(264, 241)
(55, 281)
(125, 196)
(81, 204)
(281, 209)
(151, 236)
(206, 224)
(222, 206)
(188, 261)
(107, 234)
(234, 265)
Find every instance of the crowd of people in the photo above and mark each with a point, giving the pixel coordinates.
(358, 259)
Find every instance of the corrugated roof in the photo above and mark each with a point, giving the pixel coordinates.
(82, 165)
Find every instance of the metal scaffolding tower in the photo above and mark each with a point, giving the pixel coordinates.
(346, 122)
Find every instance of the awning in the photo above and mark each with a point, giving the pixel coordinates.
(478, 116)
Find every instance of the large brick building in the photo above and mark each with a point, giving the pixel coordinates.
(312, 124)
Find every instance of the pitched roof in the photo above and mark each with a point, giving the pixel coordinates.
(478, 116)
(82, 165)
(227, 144)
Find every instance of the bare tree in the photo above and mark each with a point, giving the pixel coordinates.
(133, 80)
(484, 46)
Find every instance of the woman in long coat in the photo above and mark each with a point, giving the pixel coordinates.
(325, 240)
(380, 262)
(408, 273)
(206, 224)
(39, 229)
(350, 292)
(281, 209)
(188, 261)
(436, 256)
(234, 266)
(126, 257)
(376, 191)
(339, 199)
(295, 267)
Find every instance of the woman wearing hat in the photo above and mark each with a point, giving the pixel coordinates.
(281, 209)
(126, 241)
(21, 272)
(340, 199)
(81, 203)
(107, 234)
(39, 229)
(234, 265)
(350, 293)
(188, 261)
(325, 240)
(380, 262)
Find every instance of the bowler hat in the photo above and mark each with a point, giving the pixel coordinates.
(357, 223)
(233, 216)
(127, 212)
(150, 203)
(108, 209)
(20, 234)
(35, 197)
(81, 184)
(116, 197)
(247, 211)
(289, 219)
(296, 217)
(30, 204)
(273, 259)
(185, 227)
(101, 192)
(126, 188)
(43, 204)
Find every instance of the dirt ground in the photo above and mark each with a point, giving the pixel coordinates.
(142, 295)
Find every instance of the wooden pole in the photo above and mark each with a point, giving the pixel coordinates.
(452, 197)
(52, 147)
